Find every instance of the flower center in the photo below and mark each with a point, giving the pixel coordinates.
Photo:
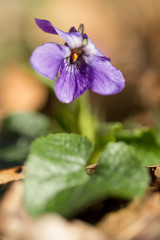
(75, 54)
(74, 57)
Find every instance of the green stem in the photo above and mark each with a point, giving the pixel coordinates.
(86, 120)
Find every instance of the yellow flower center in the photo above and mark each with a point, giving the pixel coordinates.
(74, 56)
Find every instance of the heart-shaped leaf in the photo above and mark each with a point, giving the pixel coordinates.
(56, 178)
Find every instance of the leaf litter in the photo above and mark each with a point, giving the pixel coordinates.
(137, 220)
(16, 224)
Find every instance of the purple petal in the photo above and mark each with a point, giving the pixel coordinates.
(45, 25)
(73, 39)
(73, 81)
(46, 59)
(72, 29)
(106, 79)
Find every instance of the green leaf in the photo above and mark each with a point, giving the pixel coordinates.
(27, 124)
(56, 164)
(145, 141)
(121, 172)
(17, 133)
(105, 134)
(56, 178)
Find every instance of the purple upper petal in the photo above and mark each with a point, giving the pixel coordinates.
(73, 39)
(73, 81)
(45, 25)
(106, 79)
(72, 29)
(46, 59)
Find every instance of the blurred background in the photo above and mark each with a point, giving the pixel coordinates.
(127, 31)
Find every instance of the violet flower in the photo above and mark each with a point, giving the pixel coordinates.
(80, 64)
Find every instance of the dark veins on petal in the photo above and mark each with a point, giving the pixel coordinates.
(81, 73)
(82, 77)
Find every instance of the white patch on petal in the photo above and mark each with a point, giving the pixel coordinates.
(67, 52)
(75, 42)
(91, 50)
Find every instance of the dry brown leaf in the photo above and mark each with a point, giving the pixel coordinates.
(13, 219)
(55, 227)
(91, 168)
(134, 221)
(11, 174)
(15, 224)
(20, 91)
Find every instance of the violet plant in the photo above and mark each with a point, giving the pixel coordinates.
(80, 64)
(57, 176)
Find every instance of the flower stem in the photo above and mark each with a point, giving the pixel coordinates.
(86, 120)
